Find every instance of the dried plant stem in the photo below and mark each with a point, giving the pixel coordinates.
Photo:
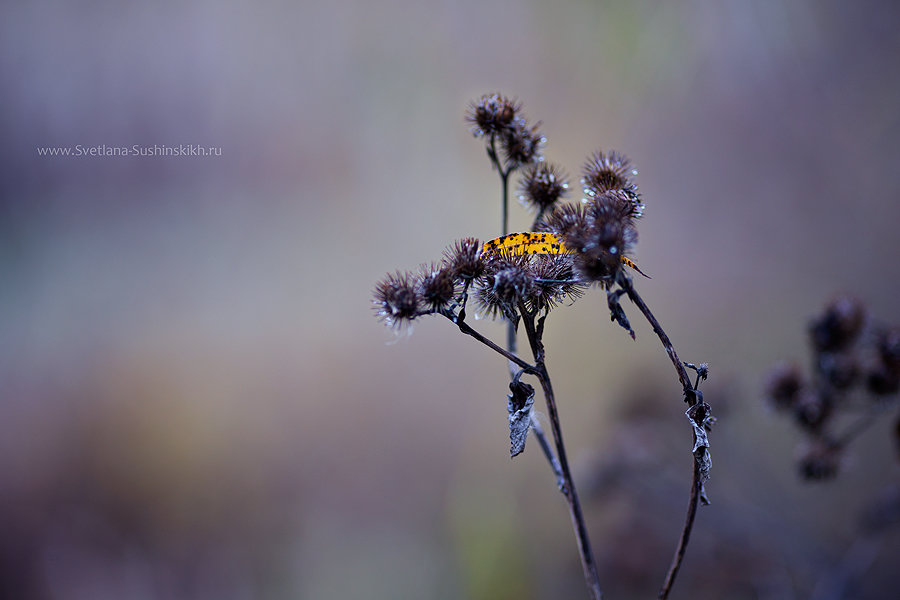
(536, 428)
(559, 462)
(548, 451)
(691, 397)
(568, 484)
(860, 425)
(685, 534)
(511, 342)
(504, 184)
(568, 488)
(683, 377)
(466, 329)
(504, 177)
(511, 345)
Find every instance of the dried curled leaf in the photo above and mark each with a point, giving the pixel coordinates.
(616, 312)
(519, 403)
(700, 419)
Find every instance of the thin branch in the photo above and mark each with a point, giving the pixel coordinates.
(504, 184)
(685, 534)
(536, 428)
(504, 177)
(683, 377)
(511, 346)
(537, 218)
(511, 342)
(548, 451)
(568, 488)
(693, 398)
(466, 329)
(860, 425)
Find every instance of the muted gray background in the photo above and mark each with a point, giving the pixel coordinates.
(195, 398)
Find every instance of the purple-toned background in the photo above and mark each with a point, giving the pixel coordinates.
(196, 401)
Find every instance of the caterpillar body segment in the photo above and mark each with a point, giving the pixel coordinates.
(630, 263)
(519, 244)
(536, 242)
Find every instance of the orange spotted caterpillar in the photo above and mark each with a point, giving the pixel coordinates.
(536, 242)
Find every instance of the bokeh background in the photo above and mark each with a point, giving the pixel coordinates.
(196, 401)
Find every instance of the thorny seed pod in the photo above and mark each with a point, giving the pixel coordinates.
(839, 368)
(611, 172)
(396, 299)
(522, 144)
(464, 258)
(596, 264)
(542, 186)
(839, 325)
(554, 281)
(812, 410)
(438, 286)
(567, 220)
(820, 461)
(491, 114)
(506, 282)
(605, 234)
(881, 380)
(783, 385)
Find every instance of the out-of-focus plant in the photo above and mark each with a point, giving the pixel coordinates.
(855, 374)
(853, 382)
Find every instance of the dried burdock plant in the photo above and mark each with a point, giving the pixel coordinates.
(852, 383)
(855, 376)
(522, 277)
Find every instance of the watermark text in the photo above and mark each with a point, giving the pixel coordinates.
(102, 150)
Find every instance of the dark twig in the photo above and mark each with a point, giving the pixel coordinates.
(504, 184)
(693, 398)
(685, 534)
(568, 484)
(466, 329)
(683, 377)
(548, 451)
(860, 425)
(511, 342)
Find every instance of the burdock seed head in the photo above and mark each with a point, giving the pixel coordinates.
(542, 185)
(464, 258)
(506, 282)
(437, 286)
(396, 299)
(612, 172)
(839, 325)
(598, 234)
(492, 114)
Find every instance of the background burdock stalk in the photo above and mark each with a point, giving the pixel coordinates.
(853, 381)
(574, 247)
(854, 375)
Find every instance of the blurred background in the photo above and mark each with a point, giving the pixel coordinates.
(197, 403)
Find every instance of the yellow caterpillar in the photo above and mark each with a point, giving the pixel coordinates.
(536, 242)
